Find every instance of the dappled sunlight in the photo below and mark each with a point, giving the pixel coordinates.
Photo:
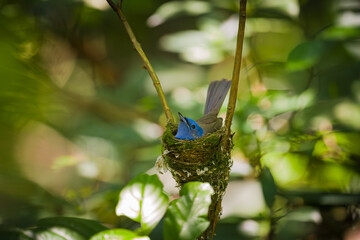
(321, 123)
(202, 55)
(254, 228)
(244, 199)
(256, 121)
(289, 6)
(184, 97)
(175, 8)
(287, 168)
(88, 169)
(229, 27)
(182, 75)
(349, 114)
(101, 155)
(59, 60)
(280, 123)
(147, 130)
(250, 227)
(46, 156)
(208, 45)
(101, 5)
(241, 167)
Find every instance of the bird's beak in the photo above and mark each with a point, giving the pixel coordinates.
(183, 119)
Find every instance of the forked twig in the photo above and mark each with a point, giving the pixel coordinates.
(147, 65)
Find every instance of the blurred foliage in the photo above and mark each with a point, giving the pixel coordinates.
(79, 117)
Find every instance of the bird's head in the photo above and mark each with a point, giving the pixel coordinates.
(188, 129)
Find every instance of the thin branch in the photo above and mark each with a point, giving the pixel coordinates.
(236, 73)
(147, 65)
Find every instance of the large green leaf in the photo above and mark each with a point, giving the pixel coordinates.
(83, 227)
(118, 234)
(268, 186)
(59, 233)
(305, 55)
(144, 201)
(186, 217)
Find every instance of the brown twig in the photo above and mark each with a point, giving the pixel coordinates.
(147, 65)
(236, 74)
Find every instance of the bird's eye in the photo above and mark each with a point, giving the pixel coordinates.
(193, 126)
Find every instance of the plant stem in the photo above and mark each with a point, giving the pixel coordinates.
(147, 65)
(236, 74)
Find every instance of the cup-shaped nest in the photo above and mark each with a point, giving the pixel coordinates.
(202, 159)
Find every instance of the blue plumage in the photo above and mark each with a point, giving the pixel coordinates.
(190, 129)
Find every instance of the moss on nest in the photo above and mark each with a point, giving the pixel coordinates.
(203, 160)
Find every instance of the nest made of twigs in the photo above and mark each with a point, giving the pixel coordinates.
(202, 159)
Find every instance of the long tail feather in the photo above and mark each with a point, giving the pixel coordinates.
(216, 95)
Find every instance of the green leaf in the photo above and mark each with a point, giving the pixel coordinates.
(186, 217)
(83, 227)
(144, 201)
(118, 234)
(341, 33)
(349, 142)
(305, 55)
(268, 186)
(59, 233)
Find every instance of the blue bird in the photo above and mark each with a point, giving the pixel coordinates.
(190, 129)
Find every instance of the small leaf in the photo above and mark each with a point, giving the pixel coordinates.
(144, 201)
(186, 217)
(305, 55)
(118, 234)
(268, 186)
(84, 227)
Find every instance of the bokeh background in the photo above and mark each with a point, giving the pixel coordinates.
(79, 116)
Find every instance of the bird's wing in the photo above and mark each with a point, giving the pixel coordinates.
(215, 96)
(210, 123)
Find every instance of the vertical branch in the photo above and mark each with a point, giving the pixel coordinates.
(145, 60)
(236, 73)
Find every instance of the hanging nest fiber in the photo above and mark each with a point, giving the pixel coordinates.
(202, 159)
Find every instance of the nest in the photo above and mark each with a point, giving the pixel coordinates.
(202, 159)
